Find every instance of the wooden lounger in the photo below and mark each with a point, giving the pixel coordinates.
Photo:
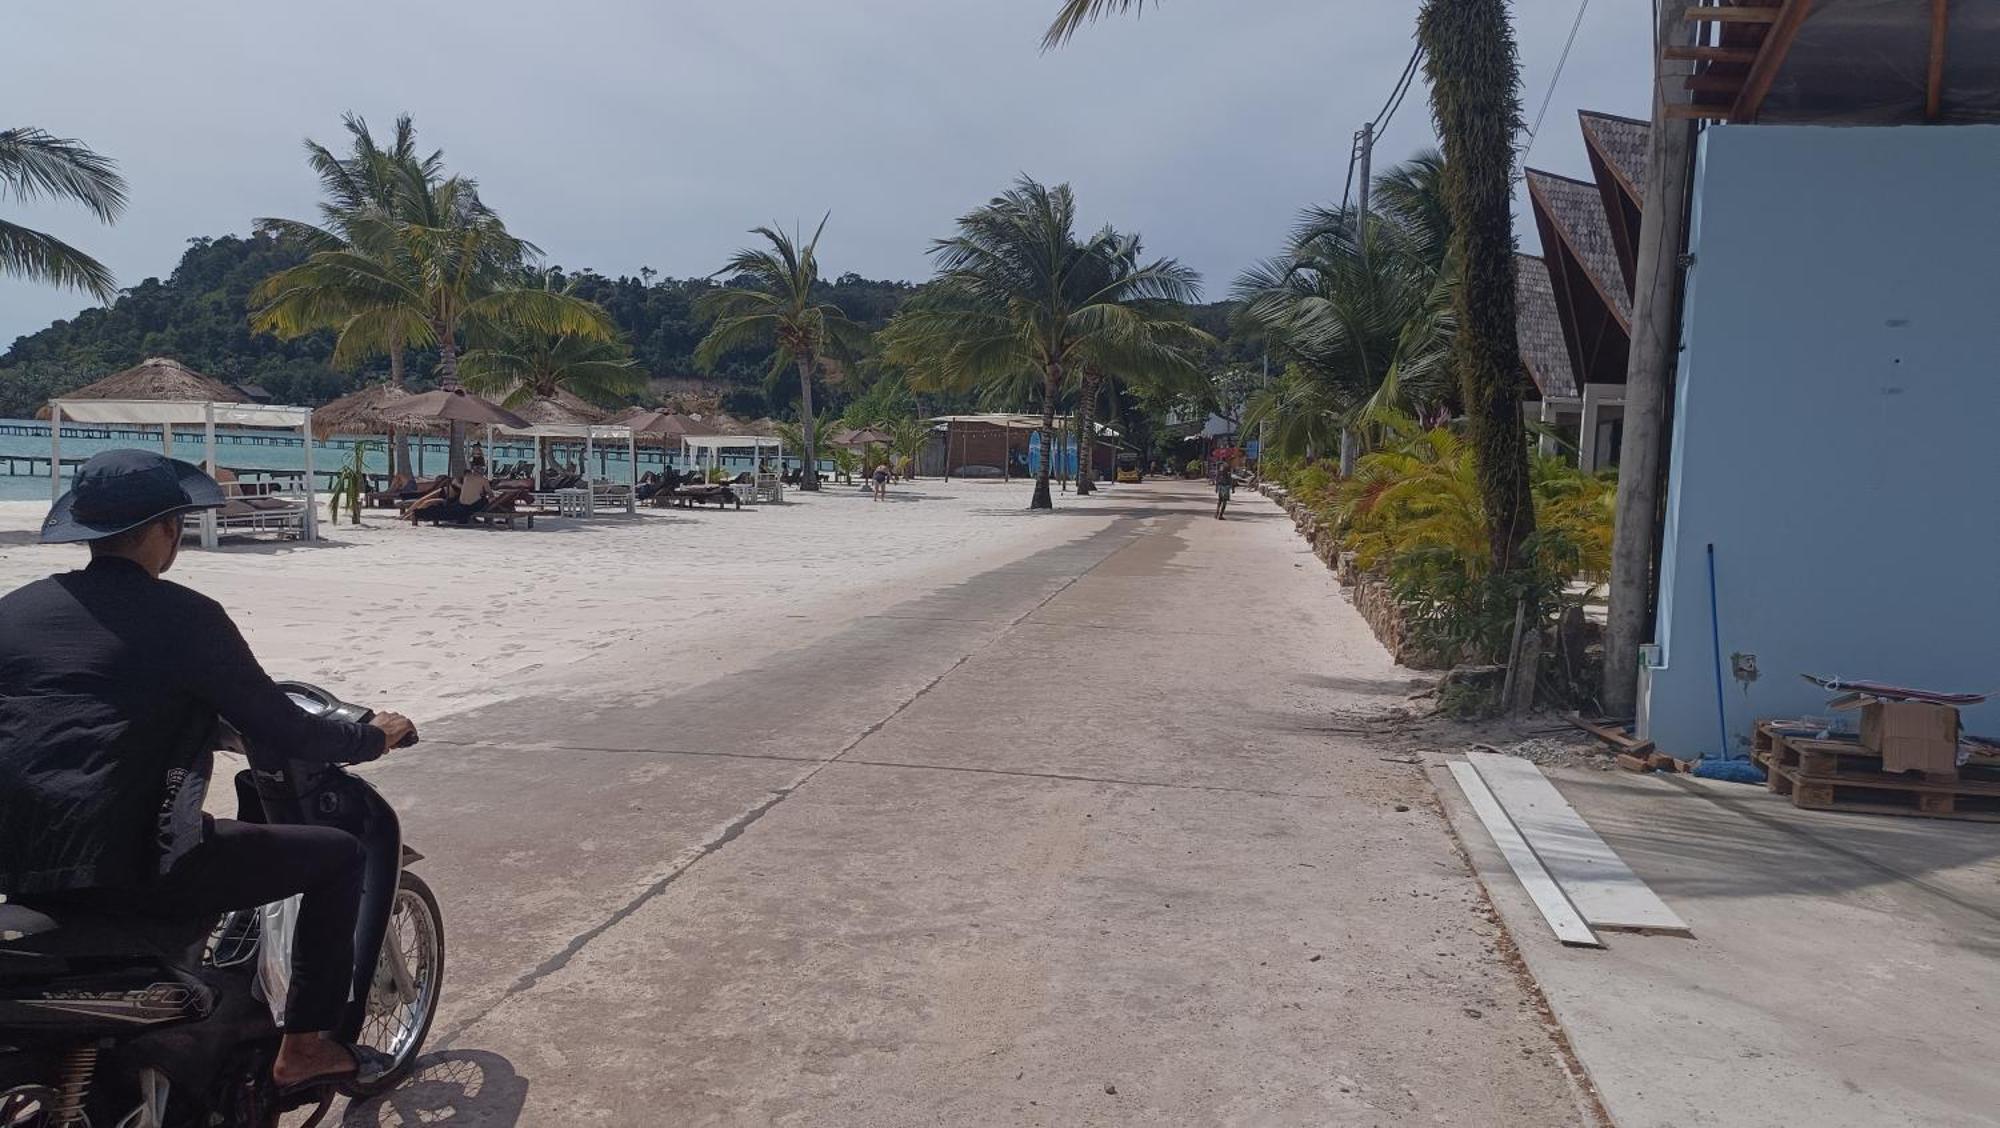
(688, 497)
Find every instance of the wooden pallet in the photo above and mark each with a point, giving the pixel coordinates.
(1840, 775)
(1883, 794)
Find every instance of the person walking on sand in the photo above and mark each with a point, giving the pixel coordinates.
(882, 482)
(1225, 484)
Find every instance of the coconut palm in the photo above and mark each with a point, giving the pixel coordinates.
(518, 364)
(371, 180)
(769, 300)
(35, 165)
(1474, 73)
(441, 264)
(1366, 327)
(907, 439)
(1018, 293)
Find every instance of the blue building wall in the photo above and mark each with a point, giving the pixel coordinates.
(1836, 431)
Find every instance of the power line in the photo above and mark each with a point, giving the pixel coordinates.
(1562, 60)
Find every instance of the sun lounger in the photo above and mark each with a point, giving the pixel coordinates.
(688, 497)
(247, 509)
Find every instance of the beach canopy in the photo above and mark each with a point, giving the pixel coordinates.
(168, 414)
(369, 411)
(860, 437)
(155, 378)
(454, 406)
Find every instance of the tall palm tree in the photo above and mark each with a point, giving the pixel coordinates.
(518, 364)
(441, 264)
(34, 165)
(370, 181)
(1365, 326)
(769, 300)
(1018, 292)
(1474, 73)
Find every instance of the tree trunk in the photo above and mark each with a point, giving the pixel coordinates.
(448, 380)
(1085, 435)
(1475, 79)
(1051, 384)
(1655, 351)
(809, 474)
(399, 441)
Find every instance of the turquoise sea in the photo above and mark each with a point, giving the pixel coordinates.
(24, 452)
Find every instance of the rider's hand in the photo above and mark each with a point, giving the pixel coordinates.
(397, 730)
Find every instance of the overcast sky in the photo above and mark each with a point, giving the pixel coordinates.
(627, 133)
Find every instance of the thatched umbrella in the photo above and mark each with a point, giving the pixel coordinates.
(372, 411)
(155, 378)
(560, 410)
(861, 437)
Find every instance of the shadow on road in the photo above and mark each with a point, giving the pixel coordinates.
(450, 1087)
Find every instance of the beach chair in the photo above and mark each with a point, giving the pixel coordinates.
(246, 508)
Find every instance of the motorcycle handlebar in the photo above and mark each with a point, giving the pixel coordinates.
(319, 702)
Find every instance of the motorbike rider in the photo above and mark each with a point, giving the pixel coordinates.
(111, 682)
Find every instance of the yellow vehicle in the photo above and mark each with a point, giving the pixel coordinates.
(1128, 466)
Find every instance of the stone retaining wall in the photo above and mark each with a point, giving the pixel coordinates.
(1369, 592)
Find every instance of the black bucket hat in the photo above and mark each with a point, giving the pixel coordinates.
(123, 489)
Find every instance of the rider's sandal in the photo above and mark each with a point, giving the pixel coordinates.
(370, 1067)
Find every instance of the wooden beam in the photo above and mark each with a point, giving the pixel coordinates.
(1714, 83)
(1770, 56)
(1744, 55)
(1934, 87)
(1717, 13)
(1691, 111)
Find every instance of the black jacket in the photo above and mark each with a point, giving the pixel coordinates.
(110, 685)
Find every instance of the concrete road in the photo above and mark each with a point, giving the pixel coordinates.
(1088, 838)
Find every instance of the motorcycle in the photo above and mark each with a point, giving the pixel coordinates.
(109, 1022)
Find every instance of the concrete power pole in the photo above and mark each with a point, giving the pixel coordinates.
(1655, 354)
(1364, 143)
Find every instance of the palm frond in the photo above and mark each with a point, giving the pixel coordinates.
(38, 257)
(36, 164)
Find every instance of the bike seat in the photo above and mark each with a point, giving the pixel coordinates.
(19, 922)
(61, 930)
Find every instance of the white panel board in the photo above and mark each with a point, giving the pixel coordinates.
(1601, 886)
(1563, 918)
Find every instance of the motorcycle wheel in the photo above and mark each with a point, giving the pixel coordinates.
(395, 1025)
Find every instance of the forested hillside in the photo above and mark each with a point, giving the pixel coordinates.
(197, 315)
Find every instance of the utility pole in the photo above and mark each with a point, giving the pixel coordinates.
(1654, 356)
(1364, 143)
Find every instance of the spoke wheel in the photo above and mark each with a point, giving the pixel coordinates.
(409, 976)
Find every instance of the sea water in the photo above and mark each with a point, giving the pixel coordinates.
(244, 450)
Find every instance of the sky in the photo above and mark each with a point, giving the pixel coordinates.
(618, 134)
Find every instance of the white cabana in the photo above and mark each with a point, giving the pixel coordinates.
(764, 487)
(168, 414)
(590, 434)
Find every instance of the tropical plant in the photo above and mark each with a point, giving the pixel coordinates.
(370, 181)
(35, 165)
(1019, 295)
(1470, 60)
(438, 267)
(769, 300)
(908, 438)
(1365, 325)
(516, 364)
(349, 483)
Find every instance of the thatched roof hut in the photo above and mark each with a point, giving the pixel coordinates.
(369, 412)
(156, 378)
(560, 410)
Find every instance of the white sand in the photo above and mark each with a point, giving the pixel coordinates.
(430, 621)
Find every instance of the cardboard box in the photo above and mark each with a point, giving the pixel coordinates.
(1911, 736)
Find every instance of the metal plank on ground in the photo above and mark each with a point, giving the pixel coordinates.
(1599, 883)
(1542, 889)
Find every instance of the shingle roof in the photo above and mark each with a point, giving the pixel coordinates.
(1624, 143)
(1576, 210)
(1540, 330)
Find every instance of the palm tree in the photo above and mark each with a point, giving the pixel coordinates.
(440, 265)
(37, 165)
(371, 181)
(907, 439)
(1018, 293)
(519, 364)
(769, 300)
(1474, 73)
(1367, 326)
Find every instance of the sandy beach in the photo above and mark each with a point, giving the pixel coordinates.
(438, 620)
